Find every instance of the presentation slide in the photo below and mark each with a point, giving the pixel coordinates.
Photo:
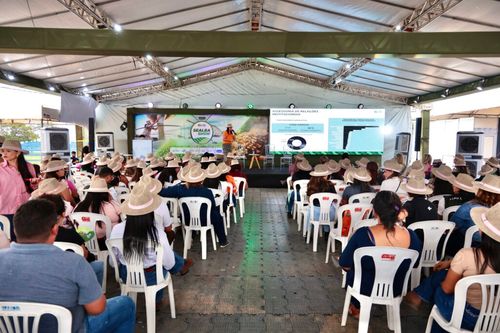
(327, 131)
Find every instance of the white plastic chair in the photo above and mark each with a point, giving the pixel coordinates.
(326, 201)
(297, 185)
(488, 320)
(121, 190)
(387, 261)
(5, 225)
(219, 202)
(173, 208)
(436, 198)
(194, 205)
(65, 246)
(340, 188)
(448, 211)
(285, 160)
(337, 182)
(469, 234)
(241, 184)
(122, 197)
(361, 224)
(136, 280)
(376, 188)
(365, 198)
(131, 185)
(358, 212)
(20, 317)
(433, 230)
(88, 220)
(227, 187)
(301, 209)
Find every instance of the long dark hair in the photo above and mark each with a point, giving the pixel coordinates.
(167, 175)
(489, 248)
(486, 198)
(22, 167)
(442, 187)
(387, 206)
(318, 185)
(88, 168)
(93, 202)
(138, 231)
(138, 175)
(364, 186)
(372, 168)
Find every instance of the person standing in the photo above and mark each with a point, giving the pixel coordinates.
(16, 179)
(228, 137)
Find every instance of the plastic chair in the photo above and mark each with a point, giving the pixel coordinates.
(297, 185)
(361, 224)
(285, 160)
(302, 208)
(173, 208)
(66, 246)
(136, 280)
(340, 187)
(436, 198)
(325, 200)
(121, 190)
(241, 184)
(19, 317)
(88, 220)
(362, 198)
(229, 190)
(447, 213)
(433, 231)
(131, 185)
(387, 261)
(5, 225)
(337, 182)
(358, 212)
(122, 197)
(488, 320)
(219, 202)
(469, 234)
(376, 188)
(289, 188)
(194, 204)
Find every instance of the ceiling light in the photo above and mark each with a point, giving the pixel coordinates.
(85, 89)
(445, 93)
(348, 66)
(11, 77)
(82, 77)
(117, 27)
(338, 80)
(52, 88)
(218, 105)
(361, 106)
(165, 69)
(328, 106)
(84, 84)
(123, 126)
(416, 100)
(176, 78)
(480, 85)
(149, 57)
(398, 27)
(150, 105)
(291, 106)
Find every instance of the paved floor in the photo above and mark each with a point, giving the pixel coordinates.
(266, 280)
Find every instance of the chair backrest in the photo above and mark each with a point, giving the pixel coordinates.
(19, 317)
(340, 187)
(194, 205)
(387, 261)
(122, 197)
(362, 223)
(66, 246)
(121, 190)
(218, 196)
(227, 188)
(448, 212)
(376, 188)
(88, 220)
(297, 186)
(469, 234)
(336, 182)
(289, 185)
(5, 225)
(488, 320)
(325, 200)
(173, 208)
(241, 183)
(131, 185)
(358, 211)
(436, 198)
(362, 198)
(135, 265)
(433, 231)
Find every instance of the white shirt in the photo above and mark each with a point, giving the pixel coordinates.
(114, 194)
(149, 256)
(162, 216)
(392, 184)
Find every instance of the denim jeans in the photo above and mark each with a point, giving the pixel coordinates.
(151, 275)
(431, 292)
(317, 210)
(98, 267)
(118, 317)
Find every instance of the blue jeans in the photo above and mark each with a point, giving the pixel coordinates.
(98, 267)
(317, 210)
(431, 292)
(119, 317)
(150, 275)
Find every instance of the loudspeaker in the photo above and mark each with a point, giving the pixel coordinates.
(470, 144)
(55, 141)
(105, 141)
(92, 134)
(418, 133)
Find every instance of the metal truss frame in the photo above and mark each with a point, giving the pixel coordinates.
(256, 7)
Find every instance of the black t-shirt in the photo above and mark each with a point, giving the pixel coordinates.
(71, 236)
(420, 209)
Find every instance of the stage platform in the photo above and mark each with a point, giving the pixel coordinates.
(269, 177)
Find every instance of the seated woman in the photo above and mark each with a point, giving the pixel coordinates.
(441, 180)
(302, 173)
(141, 165)
(98, 200)
(438, 289)
(169, 173)
(417, 206)
(460, 165)
(319, 183)
(334, 168)
(52, 186)
(130, 169)
(57, 169)
(141, 227)
(360, 184)
(392, 180)
(388, 232)
(193, 187)
(372, 168)
(87, 164)
(488, 195)
(213, 173)
(67, 233)
(463, 191)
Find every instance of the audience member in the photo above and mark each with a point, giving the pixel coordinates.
(372, 168)
(319, 183)
(417, 206)
(441, 180)
(87, 164)
(460, 165)
(427, 161)
(486, 169)
(302, 173)
(463, 191)
(392, 180)
(334, 168)
(169, 173)
(360, 184)
(130, 169)
(57, 169)
(212, 180)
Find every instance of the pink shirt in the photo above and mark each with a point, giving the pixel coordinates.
(12, 190)
(112, 210)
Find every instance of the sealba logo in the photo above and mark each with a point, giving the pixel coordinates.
(201, 132)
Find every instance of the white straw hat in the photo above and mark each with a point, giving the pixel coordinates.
(156, 163)
(492, 161)
(204, 159)
(98, 185)
(299, 157)
(140, 202)
(149, 172)
(362, 162)
(417, 165)
(49, 186)
(487, 220)
(487, 169)
(345, 163)
(87, 159)
(490, 183)
(416, 186)
(141, 164)
(115, 166)
(55, 166)
(458, 162)
(235, 162)
(172, 164)
(104, 160)
(361, 174)
(153, 185)
(170, 156)
(13, 145)
(415, 174)
(333, 166)
(464, 182)
(320, 170)
(212, 171)
(443, 172)
(149, 157)
(212, 159)
(195, 175)
(131, 164)
(393, 165)
(223, 167)
(348, 175)
(304, 165)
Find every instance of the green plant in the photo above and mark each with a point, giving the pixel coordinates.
(19, 132)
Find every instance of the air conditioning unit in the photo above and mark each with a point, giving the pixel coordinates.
(474, 166)
(403, 141)
(470, 144)
(105, 141)
(55, 141)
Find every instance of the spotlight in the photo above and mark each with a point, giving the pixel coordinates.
(348, 66)
(123, 126)
(416, 100)
(185, 105)
(85, 89)
(165, 69)
(398, 27)
(218, 105)
(149, 57)
(176, 78)
(480, 85)
(291, 106)
(150, 105)
(117, 27)
(361, 106)
(328, 106)
(338, 80)
(11, 77)
(445, 93)
(51, 88)
(250, 106)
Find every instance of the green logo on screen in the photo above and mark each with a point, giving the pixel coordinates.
(201, 132)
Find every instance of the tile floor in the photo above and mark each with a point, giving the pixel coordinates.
(267, 280)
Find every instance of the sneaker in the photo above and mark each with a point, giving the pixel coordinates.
(185, 269)
(224, 245)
